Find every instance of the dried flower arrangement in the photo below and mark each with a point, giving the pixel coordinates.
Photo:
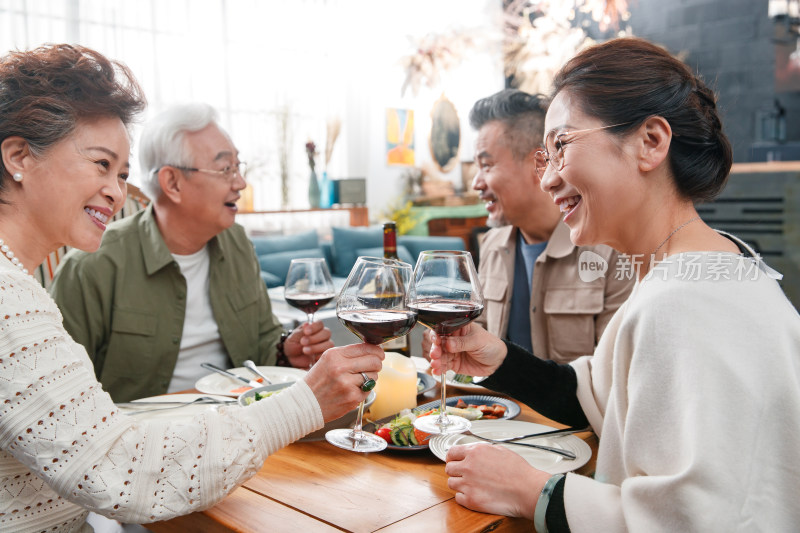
(311, 152)
(541, 35)
(333, 127)
(284, 140)
(434, 54)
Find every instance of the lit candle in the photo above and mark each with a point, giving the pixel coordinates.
(397, 386)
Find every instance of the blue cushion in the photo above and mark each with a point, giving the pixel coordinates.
(327, 251)
(277, 264)
(402, 253)
(346, 242)
(271, 280)
(417, 243)
(285, 243)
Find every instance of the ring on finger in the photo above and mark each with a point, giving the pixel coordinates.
(368, 384)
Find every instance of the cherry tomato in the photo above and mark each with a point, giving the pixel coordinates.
(385, 434)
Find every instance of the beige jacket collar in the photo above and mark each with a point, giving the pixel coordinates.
(559, 245)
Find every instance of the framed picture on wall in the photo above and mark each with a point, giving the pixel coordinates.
(400, 137)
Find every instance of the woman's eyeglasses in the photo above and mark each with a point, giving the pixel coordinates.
(554, 145)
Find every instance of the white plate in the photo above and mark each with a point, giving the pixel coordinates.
(456, 384)
(497, 429)
(218, 384)
(187, 411)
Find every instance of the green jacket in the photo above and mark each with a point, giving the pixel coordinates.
(126, 304)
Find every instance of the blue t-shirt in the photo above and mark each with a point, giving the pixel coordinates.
(519, 322)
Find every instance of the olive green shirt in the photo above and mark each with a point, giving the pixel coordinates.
(126, 303)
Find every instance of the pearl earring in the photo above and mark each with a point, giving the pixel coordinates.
(17, 177)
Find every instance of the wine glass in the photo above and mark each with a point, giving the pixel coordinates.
(373, 304)
(308, 285)
(448, 296)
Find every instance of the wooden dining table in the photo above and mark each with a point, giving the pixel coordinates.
(314, 486)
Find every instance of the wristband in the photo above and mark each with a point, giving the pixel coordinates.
(540, 513)
(281, 359)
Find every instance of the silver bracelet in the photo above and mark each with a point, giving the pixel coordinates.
(541, 505)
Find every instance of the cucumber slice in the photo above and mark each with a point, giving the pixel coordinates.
(399, 435)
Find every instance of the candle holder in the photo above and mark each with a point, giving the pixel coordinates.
(397, 386)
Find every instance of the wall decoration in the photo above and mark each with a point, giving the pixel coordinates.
(445, 134)
(400, 137)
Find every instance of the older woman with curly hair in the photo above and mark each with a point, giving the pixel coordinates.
(65, 448)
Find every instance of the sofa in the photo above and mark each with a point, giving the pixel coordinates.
(275, 253)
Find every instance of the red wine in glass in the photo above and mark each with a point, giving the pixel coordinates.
(309, 303)
(373, 305)
(308, 286)
(447, 297)
(446, 316)
(376, 326)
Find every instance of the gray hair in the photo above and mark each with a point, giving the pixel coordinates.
(162, 141)
(521, 114)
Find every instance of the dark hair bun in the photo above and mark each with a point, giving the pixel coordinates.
(628, 80)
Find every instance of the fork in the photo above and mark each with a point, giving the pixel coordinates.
(251, 366)
(197, 401)
(564, 453)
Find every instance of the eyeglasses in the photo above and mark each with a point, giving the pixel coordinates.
(554, 145)
(229, 173)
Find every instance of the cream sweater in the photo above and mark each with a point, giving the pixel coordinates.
(694, 391)
(65, 449)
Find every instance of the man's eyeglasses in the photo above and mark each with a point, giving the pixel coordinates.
(554, 145)
(229, 173)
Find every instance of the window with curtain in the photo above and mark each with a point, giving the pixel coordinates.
(269, 67)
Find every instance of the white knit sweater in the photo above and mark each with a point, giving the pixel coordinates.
(65, 449)
(694, 391)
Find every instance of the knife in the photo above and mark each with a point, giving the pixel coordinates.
(564, 453)
(553, 433)
(200, 400)
(209, 366)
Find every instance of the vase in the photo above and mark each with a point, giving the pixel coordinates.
(313, 190)
(326, 190)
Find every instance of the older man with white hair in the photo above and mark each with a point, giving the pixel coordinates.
(178, 284)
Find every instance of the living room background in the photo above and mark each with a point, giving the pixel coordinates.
(262, 64)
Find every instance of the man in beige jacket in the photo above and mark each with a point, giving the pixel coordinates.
(541, 291)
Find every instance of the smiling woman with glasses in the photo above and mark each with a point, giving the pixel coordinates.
(693, 388)
(555, 143)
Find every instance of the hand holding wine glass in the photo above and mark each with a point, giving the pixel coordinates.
(448, 296)
(373, 304)
(471, 350)
(308, 286)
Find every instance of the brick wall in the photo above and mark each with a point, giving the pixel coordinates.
(730, 43)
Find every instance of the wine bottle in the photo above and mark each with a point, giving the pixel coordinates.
(390, 240)
(400, 344)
